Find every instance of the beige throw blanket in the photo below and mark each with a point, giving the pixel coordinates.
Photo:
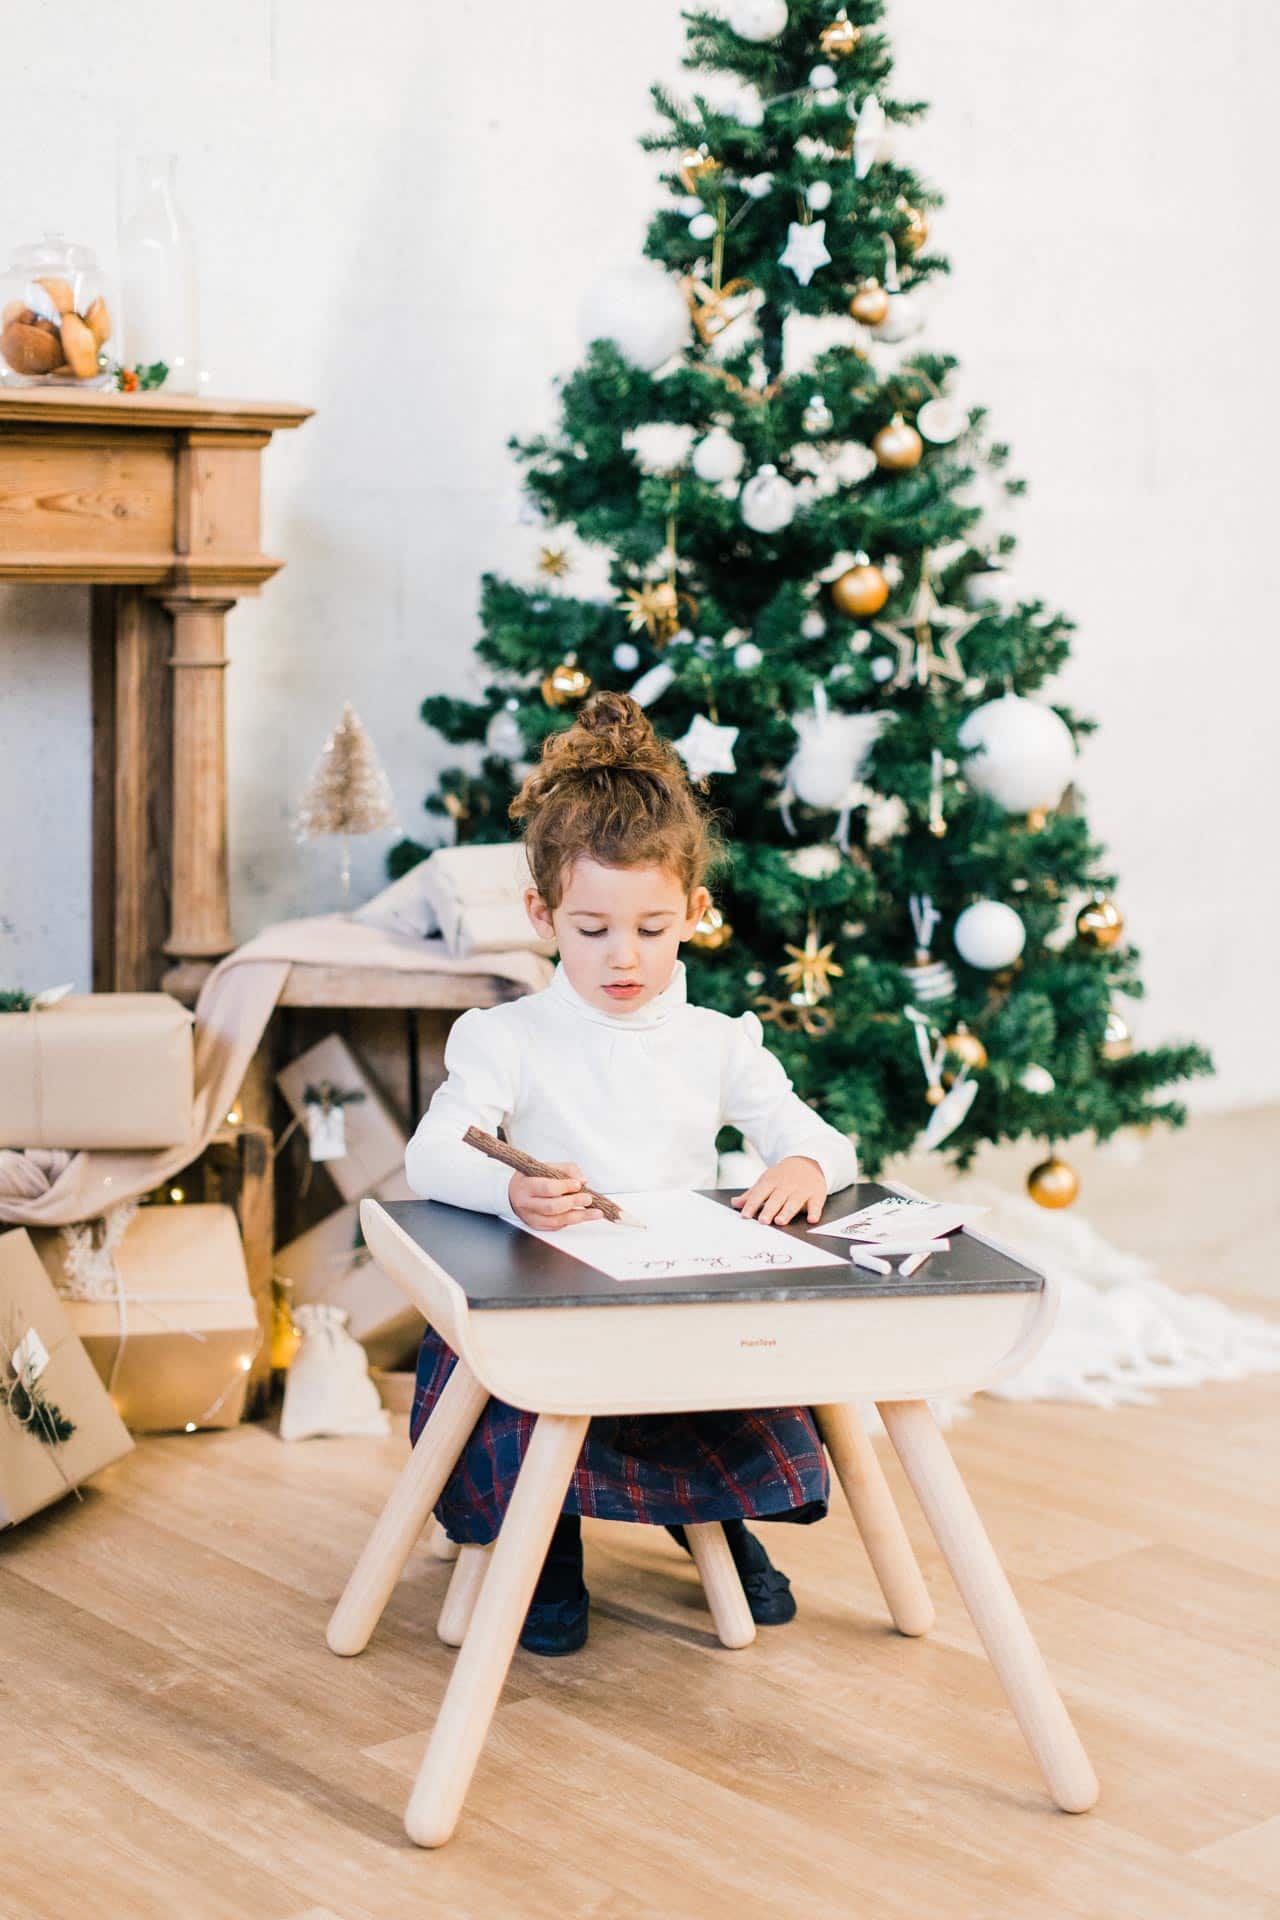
(54, 1190)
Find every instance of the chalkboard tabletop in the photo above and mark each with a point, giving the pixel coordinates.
(497, 1265)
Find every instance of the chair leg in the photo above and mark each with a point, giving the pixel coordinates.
(721, 1584)
(481, 1666)
(987, 1594)
(406, 1513)
(439, 1545)
(464, 1591)
(876, 1518)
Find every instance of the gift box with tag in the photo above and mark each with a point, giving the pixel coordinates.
(160, 1298)
(104, 1070)
(331, 1266)
(349, 1127)
(57, 1423)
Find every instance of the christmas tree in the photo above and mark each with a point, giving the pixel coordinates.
(348, 791)
(811, 590)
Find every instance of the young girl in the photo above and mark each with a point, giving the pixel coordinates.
(613, 1077)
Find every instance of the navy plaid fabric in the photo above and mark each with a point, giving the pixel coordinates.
(660, 1468)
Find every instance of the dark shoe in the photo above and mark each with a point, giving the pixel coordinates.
(768, 1590)
(554, 1627)
(557, 1618)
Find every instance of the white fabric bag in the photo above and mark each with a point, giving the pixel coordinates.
(328, 1389)
(473, 896)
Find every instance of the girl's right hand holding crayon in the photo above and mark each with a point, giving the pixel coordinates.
(547, 1205)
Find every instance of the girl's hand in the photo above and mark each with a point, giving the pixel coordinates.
(549, 1204)
(781, 1191)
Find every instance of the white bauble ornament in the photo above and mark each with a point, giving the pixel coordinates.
(941, 421)
(502, 735)
(757, 185)
(689, 204)
(757, 19)
(626, 656)
(768, 501)
(882, 669)
(1036, 1079)
(641, 309)
(747, 656)
(702, 226)
(817, 862)
(718, 456)
(994, 588)
(989, 935)
(813, 626)
(822, 77)
(902, 320)
(818, 195)
(1022, 753)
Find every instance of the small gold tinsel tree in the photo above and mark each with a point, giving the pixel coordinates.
(348, 791)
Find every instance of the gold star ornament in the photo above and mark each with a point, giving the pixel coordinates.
(922, 652)
(553, 563)
(811, 969)
(657, 609)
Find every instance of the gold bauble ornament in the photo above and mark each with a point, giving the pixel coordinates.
(1117, 1041)
(712, 932)
(693, 166)
(916, 231)
(1101, 923)
(861, 591)
(898, 446)
(935, 1096)
(967, 1048)
(1053, 1183)
(840, 38)
(566, 684)
(870, 304)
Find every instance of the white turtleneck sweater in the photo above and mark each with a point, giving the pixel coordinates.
(636, 1099)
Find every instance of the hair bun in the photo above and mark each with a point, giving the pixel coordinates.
(613, 730)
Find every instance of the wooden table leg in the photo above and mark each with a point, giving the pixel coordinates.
(439, 1545)
(406, 1513)
(464, 1591)
(876, 1518)
(987, 1594)
(721, 1584)
(481, 1667)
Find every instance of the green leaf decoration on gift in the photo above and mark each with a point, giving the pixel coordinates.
(39, 1416)
(325, 1095)
(14, 1000)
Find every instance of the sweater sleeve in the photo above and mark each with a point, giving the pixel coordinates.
(482, 1064)
(759, 1100)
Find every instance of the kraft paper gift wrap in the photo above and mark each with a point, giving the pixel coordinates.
(171, 1325)
(331, 1266)
(34, 1473)
(97, 1070)
(374, 1142)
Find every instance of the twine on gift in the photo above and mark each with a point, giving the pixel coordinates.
(38, 1420)
(91, 1273)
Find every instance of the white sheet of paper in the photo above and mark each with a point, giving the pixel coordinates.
(686, 1234)
(900, 1223)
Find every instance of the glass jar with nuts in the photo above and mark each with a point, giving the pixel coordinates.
(56, 324)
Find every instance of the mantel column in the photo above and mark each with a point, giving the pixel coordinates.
(200, 931)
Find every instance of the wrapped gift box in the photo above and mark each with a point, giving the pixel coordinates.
(97, 1070)
(35, 1472)
(375, 1143)
(181, 1359)
(330, 1265)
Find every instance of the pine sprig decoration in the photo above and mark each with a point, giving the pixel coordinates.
(41, 1417)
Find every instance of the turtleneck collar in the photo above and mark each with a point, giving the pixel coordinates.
(654, 1013)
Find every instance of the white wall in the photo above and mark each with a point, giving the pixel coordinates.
(395, 228)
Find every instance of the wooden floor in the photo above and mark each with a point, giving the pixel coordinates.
(179, 1745)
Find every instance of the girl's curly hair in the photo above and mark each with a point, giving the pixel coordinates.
(610, 790)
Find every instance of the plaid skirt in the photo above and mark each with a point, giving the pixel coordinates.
(660, 1468)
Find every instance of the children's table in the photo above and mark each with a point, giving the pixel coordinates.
(543, 1331)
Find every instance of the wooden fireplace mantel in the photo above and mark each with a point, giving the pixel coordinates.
(153, 500)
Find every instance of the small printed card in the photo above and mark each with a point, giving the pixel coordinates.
(30, 1358)
(326, 1131)
(899, 1225)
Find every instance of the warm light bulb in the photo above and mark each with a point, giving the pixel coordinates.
(190, 1427)
(246, 1361)
(177, 1195)
(233, 1117)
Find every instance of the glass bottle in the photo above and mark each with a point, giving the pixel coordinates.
(159, 279)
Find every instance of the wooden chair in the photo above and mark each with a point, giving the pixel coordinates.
(797, 1337)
